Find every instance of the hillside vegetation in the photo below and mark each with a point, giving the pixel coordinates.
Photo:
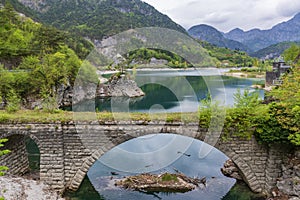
(97, 19)
(226, 57)
(35, 59)
(271, 123)
(273, 51)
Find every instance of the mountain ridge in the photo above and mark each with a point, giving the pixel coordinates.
(258, 39)
(252, 40)
(98, 19)
(213, 36)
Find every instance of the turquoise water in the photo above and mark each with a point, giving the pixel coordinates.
(175, 91)
(156, 154)
(166, 91)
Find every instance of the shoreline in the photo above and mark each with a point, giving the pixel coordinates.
(218, 71)
(243, 75)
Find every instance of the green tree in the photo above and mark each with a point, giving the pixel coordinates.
(291, 54)
(288, 112)
(13, 102)
(52, 70)
(6, 80)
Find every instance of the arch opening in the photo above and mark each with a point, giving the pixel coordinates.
(189, 168)
(24, 157)
(33, 154)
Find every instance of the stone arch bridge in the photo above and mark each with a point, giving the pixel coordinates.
(67, 151)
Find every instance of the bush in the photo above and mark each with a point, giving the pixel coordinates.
(13, 102)
(50, 104)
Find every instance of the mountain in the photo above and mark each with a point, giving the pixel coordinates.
(97, 19)
(213, 36)
(257, 39)
(273, 51)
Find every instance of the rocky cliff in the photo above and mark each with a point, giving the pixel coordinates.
(117, 86)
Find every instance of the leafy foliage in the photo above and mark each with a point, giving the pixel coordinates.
(21, 36)
(37, 60)
(13, 102)
(292, 54)
(144, 56)
(3, 152)
(276, 122)
(287, 108)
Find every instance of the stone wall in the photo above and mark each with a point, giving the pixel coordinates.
(68, 150)
(270, 77)
(17, 159)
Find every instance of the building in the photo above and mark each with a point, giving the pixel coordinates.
(274, 77)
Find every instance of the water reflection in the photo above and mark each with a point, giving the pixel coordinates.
(152, 154)
(176, 91)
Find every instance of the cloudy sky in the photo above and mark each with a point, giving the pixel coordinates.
(226, 15)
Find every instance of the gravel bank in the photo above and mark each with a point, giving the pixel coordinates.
(16, 188)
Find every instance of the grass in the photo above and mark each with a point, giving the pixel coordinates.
(169, 177)
(34, 116)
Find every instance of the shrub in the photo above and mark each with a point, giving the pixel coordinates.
(13, 102)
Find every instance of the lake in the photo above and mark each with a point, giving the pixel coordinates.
(167, 91)
(175, 91)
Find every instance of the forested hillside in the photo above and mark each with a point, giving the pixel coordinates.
(96, 19)
(35, 60)
(273, 51)
(226, 57)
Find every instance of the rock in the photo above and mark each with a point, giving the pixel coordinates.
(289, 183)
(13, 188)
(286, 186)
(294, 198)
(120, 86)
(84, 91)
(230, 169)
(67, 95)
(277, 195)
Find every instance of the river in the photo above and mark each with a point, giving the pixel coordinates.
(167, 91)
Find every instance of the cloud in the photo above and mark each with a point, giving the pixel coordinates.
(216, 17)
(288, 7)
(228, 14)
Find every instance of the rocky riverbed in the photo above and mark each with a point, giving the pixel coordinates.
(18, 188)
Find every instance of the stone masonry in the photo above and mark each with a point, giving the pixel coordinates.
(68, 150)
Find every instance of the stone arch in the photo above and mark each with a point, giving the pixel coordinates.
(17, 161)
(36, 140)
(247, 172)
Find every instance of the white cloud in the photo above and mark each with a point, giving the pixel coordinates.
(288, 7)
(228, 14)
